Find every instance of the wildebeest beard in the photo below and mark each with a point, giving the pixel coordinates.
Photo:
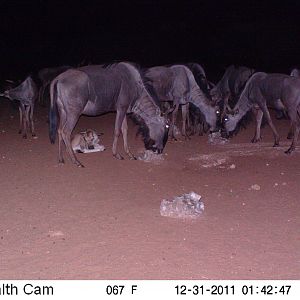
(143, 131)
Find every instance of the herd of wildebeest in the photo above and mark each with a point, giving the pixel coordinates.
(152, 98)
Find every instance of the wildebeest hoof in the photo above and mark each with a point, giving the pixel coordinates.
(25, 136)
(80, 165)
(118, 156)
(290, 136)
(289, 151)
(131, 156)
(20, 131)
(276, 145)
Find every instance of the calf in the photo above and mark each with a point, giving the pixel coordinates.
(26, 93)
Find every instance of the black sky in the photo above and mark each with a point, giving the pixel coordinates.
(260, 34)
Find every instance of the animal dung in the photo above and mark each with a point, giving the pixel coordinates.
(187, 206)
(215, 138)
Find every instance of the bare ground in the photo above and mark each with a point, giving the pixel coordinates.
(103, 221)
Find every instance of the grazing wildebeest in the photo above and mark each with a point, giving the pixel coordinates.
(176, 84)
(277, 90)
(94, 90)
(226, 92)
(195, 118)
(46, 75)
(26, 93)
(232, 83)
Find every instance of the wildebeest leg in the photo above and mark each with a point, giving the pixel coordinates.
(66, 127)
(42, 93)
(184, 110)
(188, 119)
(295, 122)
(268, 117)
(291, 132)
(22, 111)
(118, 124)
(295, 138)
(60, 147)
(124, 129)
(258, 118)
(174, 117)
(27, 111)
(21, 120)
(31, 120)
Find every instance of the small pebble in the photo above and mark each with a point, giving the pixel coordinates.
(255, 187)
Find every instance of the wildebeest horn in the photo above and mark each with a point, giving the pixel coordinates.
(9, 81)
(2, 95)
(228, 109)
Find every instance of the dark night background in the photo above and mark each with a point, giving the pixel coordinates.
(37, 34)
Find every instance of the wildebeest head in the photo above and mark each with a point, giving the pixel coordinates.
(154, 132)
(229, 123)
(212, 113)
(158, 134)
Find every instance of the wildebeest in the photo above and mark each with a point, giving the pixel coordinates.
(94, 90)
(277, 90)
(196, 120)
(177, 84)
(226, 92)
(232, 83)
(295, 72)
(26, 93)
(46, 75)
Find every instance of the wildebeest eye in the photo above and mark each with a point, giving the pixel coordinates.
(226, 119)
(218, 112)
(167, 126)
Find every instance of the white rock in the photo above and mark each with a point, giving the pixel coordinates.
(255, 187)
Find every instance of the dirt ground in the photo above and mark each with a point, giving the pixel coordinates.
(103, 221)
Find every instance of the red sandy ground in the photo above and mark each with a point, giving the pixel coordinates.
(103, 221)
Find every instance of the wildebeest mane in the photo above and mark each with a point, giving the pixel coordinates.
(149, 87)
(146, 82)
(143, 129)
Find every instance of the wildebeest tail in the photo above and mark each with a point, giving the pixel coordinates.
(53, 113)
